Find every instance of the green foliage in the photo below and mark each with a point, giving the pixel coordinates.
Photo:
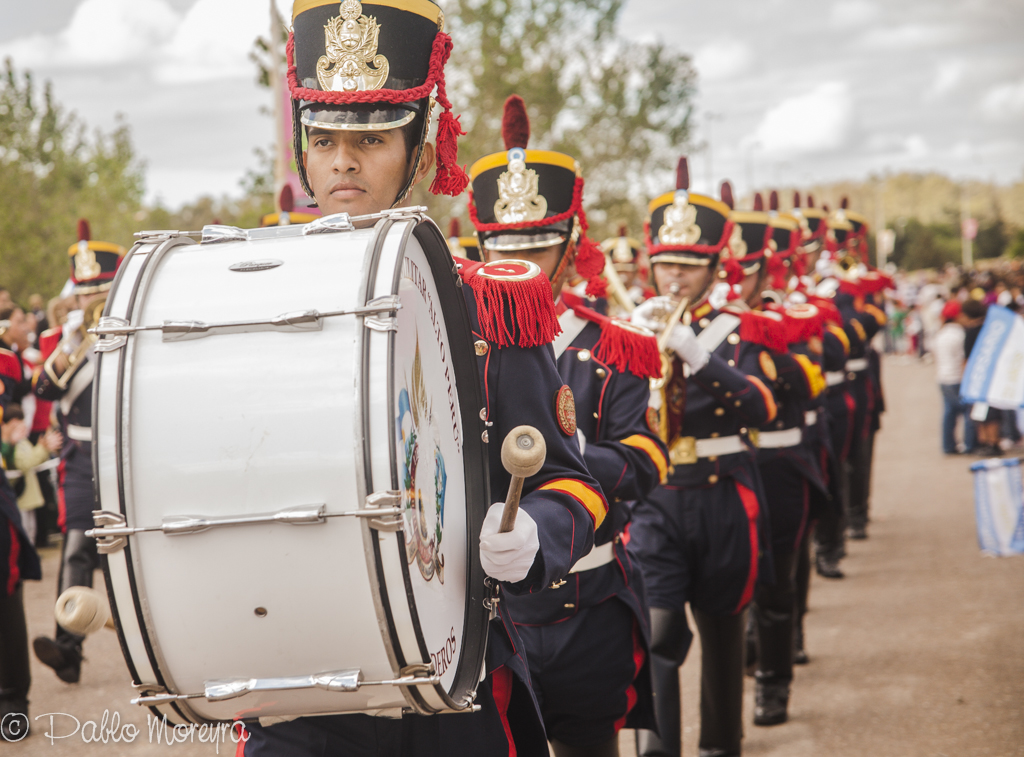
(52, 172)
(992, 239)
(921, 245)
(1016, 245)
(622, 109)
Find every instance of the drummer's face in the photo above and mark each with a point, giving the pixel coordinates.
(360, 172)
(684, 280)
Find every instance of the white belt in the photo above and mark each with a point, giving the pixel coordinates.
(857, 364)
(723, 445)
(595, 558)
(810, 417)
(80, 433)
(834, 378)
(789, 437)
(13, 475)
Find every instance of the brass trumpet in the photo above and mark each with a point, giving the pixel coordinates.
(670, 319)
(76, 345)
(616, 289)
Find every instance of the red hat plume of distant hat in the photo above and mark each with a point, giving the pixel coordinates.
(844, 203)
(622, 230)
(796, 199)
(683, 174)
(810, 200)
(515, 123)
(84, 233)
(773, 200)
(454, 228)
(758, 202)
(950, 310)
(286, 199)
(726, 194)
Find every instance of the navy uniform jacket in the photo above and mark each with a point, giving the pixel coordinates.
(18, 558)
(74, 409)
(861, 325)
(626, 456)
(521, 384)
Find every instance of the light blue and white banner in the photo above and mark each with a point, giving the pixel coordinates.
(995, 370)
(999, 506)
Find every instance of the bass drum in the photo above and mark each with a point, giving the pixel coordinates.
(291, 472)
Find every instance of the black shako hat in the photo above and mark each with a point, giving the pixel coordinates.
(685, 227)
(93, 264)
(373, 66)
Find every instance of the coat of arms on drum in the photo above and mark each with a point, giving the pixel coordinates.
(423, 475)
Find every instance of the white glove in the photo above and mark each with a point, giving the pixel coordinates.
(508, 557)
(681, 340)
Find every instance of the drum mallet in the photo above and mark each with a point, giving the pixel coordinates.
(83, 611)
(522, 454)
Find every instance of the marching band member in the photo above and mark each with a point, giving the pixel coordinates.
(361, 145)
(587, 635)
(625, 254)
(67, 378)
(287, 214)
(462, 247)
(789, 469)
(699, 536)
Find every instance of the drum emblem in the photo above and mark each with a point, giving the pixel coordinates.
(423, 475)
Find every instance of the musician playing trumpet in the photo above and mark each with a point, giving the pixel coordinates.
(698, 535)
(66, 377)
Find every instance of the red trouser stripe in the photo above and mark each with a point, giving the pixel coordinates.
(501, 689)
(14, 573)
(639, 656)
(752, 507)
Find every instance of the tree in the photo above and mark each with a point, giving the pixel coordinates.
(51, 173)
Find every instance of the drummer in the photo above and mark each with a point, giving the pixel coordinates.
(362, 155)
(586, 636)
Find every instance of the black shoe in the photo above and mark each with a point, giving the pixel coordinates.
(799, 655)
(14, 725)
(857, 532)
(771, 701)
(827, 567)
(65, 661)
(718, 753)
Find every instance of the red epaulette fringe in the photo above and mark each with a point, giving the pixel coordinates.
(619, 346)
(802, 322)
(763, 329)
(9, 365)
(520, 313)
(830, 313)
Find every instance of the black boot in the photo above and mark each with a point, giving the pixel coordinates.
(771, 700)
(827, 567)
(721, 682)
(66, 660)
(14, 723)
(670, 641)
(750, 656)
(799, 654)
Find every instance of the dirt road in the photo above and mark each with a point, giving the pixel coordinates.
(919, 651)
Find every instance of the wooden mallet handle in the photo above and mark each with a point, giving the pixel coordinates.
(83, 611)
(522, 454)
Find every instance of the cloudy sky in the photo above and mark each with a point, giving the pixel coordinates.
(790, 91)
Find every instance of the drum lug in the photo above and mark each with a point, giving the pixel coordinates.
(215, 234)
(329, 224)
(108, 544)
(385, 501)
(115, 341)
(381, 324)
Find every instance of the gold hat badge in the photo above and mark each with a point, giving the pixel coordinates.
(86, 267)
(680, 226)
(736, 243)
(351, 62)
(519, 198)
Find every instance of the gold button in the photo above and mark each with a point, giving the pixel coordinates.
(743, 431)
(583, 356)
(712, 479)
(596, 415)
(737, 403)
(715, 434)
(481, 347)
(703, 323)
(719, 411)
(851, 376)
(733, 338)
(713, 459)
(728, 394)
(732, 363)
(484, 437)
(715, 384)
(569, 605)
(778, 424)
(601, 372)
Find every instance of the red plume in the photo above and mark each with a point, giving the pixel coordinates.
(287, 199)
(796, 199)
(758, 202)
(733, 272)
(810, 201)
(682, 174)
(83, 230)
(453, 228)
(515, 124)
(844, 203)
(824, 208)
(773, 201)
(776, 268)
(726, 192)
(622, 230)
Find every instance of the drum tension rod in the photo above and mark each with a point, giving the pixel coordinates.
(343, 681)
(297, 320)
(112, 529)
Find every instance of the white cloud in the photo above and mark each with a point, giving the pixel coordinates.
(1004, 101)
(908, 37)
(213, 41)
(722, 59)
(817, 122)
(847, 13)
(99, 32)
(916, 147)
(947, 78)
